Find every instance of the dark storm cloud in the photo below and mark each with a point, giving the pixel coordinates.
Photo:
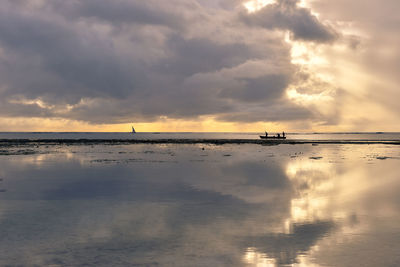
(52, 59)
(259, 89)
(287, 15)
(277, 111)
(15, 110)
(201, 55)
(170, 14)
(111, 61)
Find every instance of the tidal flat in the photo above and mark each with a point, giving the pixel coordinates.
(200, 205)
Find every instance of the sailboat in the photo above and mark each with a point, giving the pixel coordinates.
(133, 130)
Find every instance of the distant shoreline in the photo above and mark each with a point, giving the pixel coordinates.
(186, 141)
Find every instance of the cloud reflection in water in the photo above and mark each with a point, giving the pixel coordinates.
(169, 209)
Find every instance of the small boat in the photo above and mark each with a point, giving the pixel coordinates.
(133, 130)
(272, 137)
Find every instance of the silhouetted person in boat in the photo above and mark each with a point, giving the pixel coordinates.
(279, 135)
(266, 134)
(283, 134)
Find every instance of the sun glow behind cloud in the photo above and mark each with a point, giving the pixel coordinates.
(309, 57)
(318, 91)
(255, 5)
(337, 67)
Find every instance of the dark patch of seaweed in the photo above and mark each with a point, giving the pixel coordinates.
(18, 152)
(316, 158)
(118, 161)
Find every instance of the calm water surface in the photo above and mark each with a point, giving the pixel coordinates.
(200, 205)
(189, 136)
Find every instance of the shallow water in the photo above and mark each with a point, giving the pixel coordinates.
(200, 205)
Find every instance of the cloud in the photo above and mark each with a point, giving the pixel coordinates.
(125, 11)
(287, 15)
(106, 62)
(259, 89)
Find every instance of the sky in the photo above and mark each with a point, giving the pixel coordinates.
(199, 65)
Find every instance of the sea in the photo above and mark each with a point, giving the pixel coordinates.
(340, 136)
(319, 199)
